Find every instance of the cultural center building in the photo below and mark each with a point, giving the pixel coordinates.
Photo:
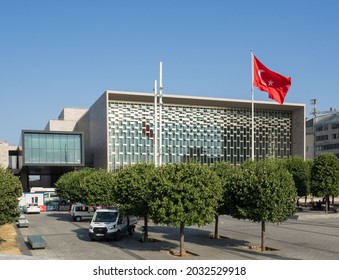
(119, 129)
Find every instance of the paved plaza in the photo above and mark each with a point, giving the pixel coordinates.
(306, 236)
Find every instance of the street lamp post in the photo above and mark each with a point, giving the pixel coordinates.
(314, 113)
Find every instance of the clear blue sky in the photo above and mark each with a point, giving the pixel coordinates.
(66, 53)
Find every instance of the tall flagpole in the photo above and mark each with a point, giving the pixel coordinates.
(155, 134)
(252, 92)
(160, 116)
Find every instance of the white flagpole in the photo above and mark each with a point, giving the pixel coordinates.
(160, 116)
(252, 92)
(155, 134)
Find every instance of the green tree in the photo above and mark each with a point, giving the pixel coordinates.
(325, 176)
(265, 192)
(134, 190)
(185, 194)
(301, 172)
(69, 185)
(225, 172)
(10, 191)
(97, 188)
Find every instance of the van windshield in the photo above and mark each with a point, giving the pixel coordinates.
(105, 216)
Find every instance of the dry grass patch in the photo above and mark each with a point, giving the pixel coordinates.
(8, 242)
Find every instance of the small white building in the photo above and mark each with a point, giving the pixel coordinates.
(28, 197)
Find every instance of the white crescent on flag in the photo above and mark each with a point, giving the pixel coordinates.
(259, 75)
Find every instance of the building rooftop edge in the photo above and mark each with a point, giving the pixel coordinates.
(205, 98)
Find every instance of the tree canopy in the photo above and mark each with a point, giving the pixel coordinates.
(69, 184)
(97, 188)
(325, 176)
(185, 194)
(226, 173)
(88, 186)
(134, 190)
(10, 191)
(265, 192)
(301, 172)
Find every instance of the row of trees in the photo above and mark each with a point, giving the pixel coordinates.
(176, 195)
(319, 177)
(186, 194)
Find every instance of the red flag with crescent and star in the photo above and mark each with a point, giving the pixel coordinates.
(274, 84)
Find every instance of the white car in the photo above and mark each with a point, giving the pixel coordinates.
(32, 208)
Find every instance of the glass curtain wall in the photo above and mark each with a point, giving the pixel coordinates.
(49, 148)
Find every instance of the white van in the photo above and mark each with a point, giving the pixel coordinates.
(111, 224)
(81, 212)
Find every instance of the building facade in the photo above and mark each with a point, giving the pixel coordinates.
(47, 154)
(326, 136)
(120, 130)
(9, 157)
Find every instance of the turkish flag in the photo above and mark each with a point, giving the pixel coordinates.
(274, 84)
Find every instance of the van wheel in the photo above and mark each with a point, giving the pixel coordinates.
(78, 218)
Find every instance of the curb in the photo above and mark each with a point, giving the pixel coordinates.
(311, 216)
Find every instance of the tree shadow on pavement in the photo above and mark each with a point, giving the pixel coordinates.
(166, 239)
(202, 237)
(196, 236)
(129, 242)
(131, 246)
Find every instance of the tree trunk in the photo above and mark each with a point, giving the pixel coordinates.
(145, 228)
(182, 237)
(262, 236)
(326, 203)
(216, 227)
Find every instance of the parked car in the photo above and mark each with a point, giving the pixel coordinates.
(80, 212)
(32, 208)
